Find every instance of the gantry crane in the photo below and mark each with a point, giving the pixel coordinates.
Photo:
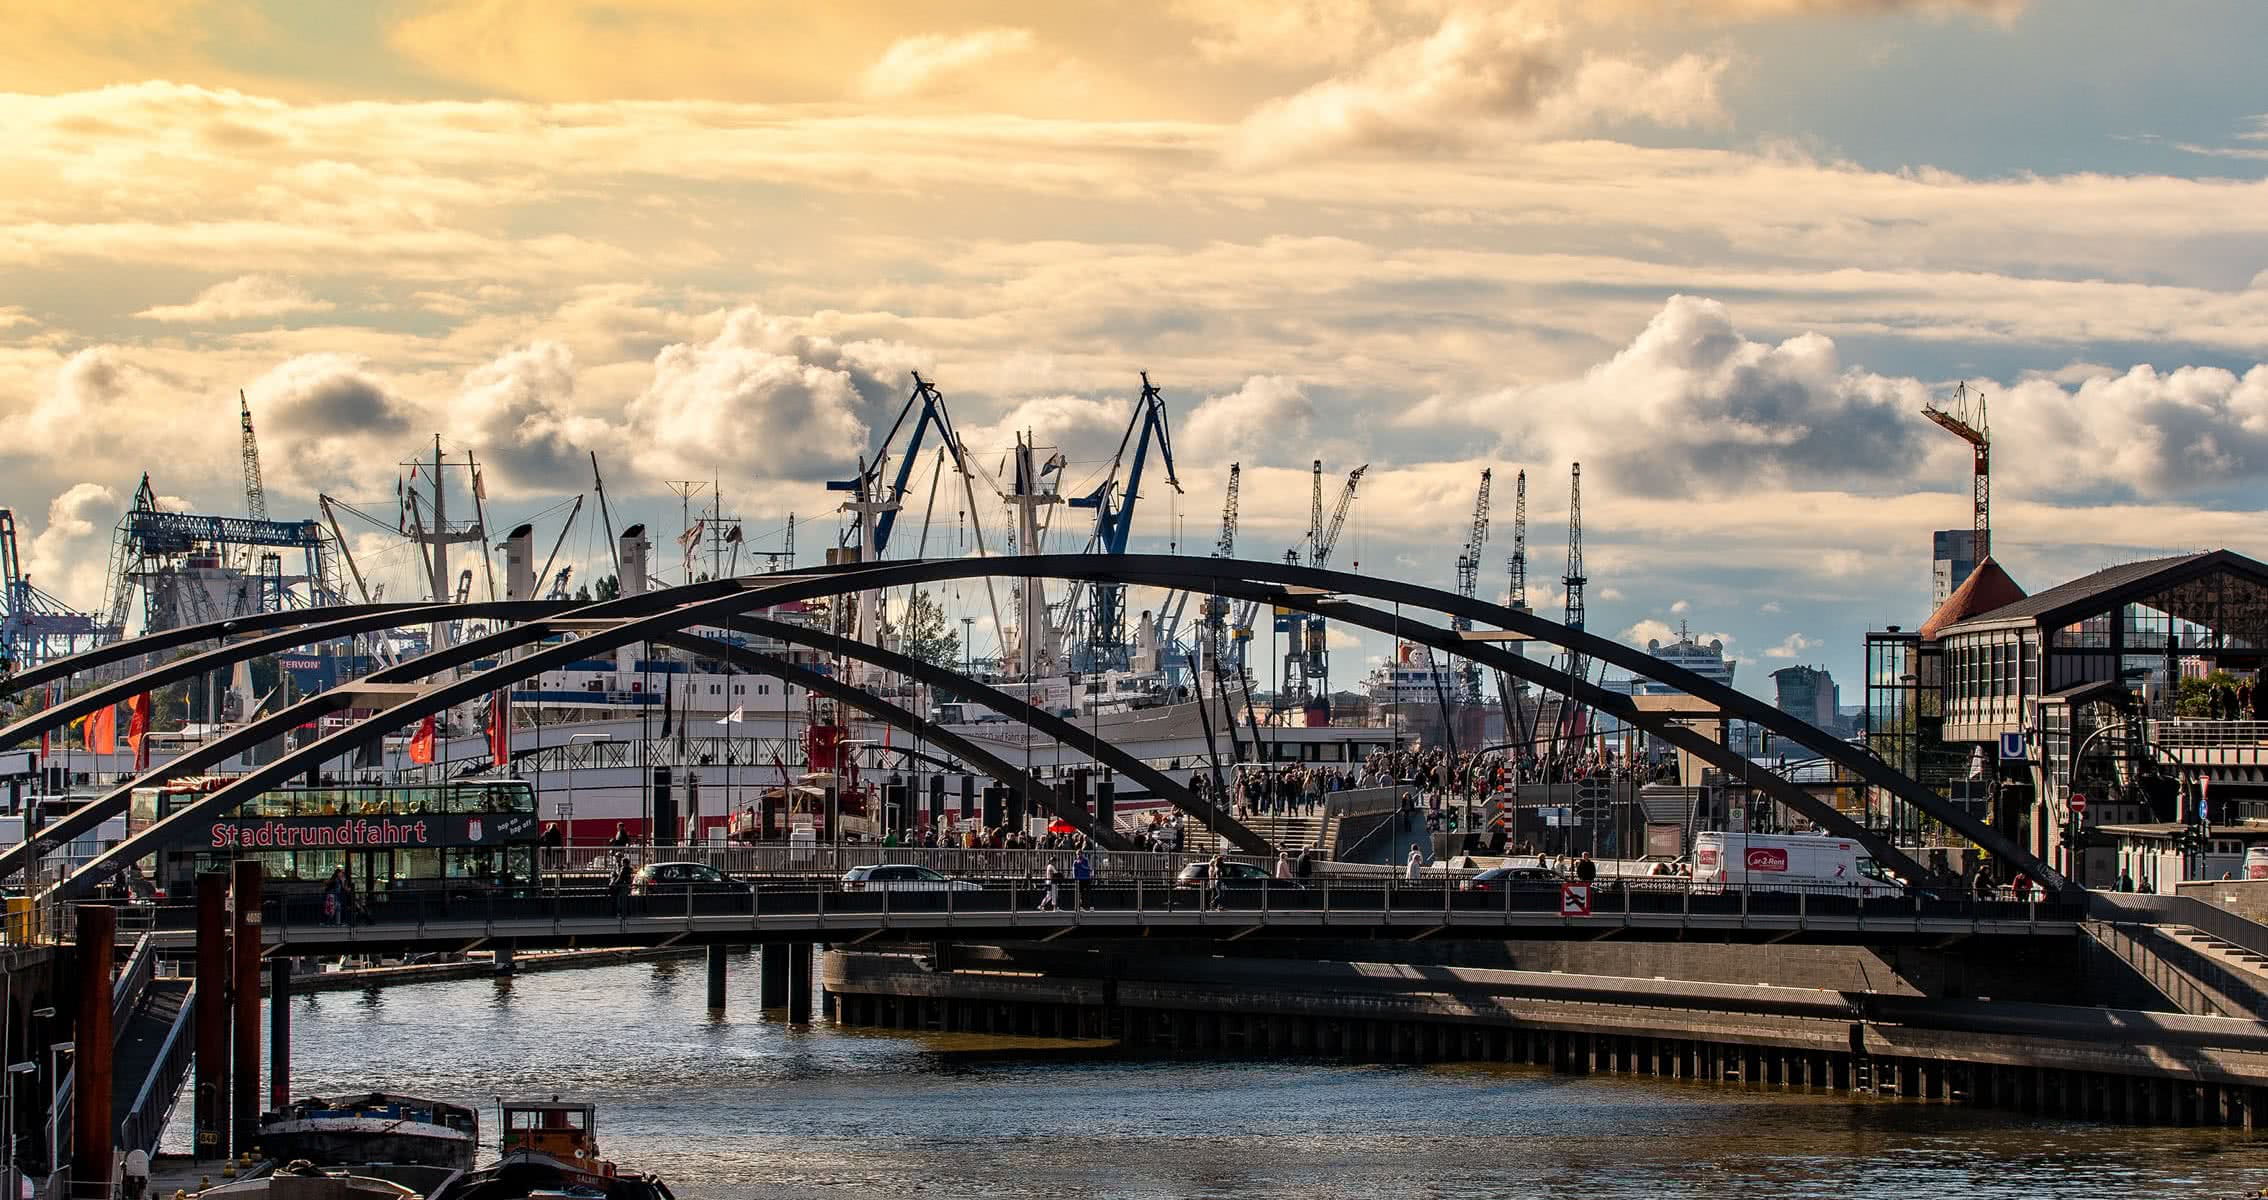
(1307, 660)
(1963, 416)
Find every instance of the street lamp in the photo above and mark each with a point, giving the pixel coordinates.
(14, 1070)
(55, 1055)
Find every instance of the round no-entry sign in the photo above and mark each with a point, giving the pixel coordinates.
(2078, 803)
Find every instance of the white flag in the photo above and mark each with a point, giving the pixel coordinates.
(734, 717)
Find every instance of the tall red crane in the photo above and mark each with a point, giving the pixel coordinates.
(1963, 416)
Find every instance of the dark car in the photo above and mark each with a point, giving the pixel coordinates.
(1233, 875)
(903, 877)
(676, 877)
(1511, 878)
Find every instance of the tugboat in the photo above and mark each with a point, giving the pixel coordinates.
(550, 1152)
(372, 1128)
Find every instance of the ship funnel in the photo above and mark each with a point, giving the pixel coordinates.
(633, 547)
(519, 564)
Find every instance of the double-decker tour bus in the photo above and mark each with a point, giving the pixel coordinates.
(466, 832)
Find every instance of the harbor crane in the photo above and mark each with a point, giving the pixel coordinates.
(1963, 416)
(1307, 660)
(1468, 579)
(1114, 506)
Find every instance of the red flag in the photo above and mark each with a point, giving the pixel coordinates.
(138, 731)
(421, 743)
(500, 728)
(102, 730)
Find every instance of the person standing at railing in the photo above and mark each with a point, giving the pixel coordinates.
(1416, 865)
(1082, 871)
(1048, 900)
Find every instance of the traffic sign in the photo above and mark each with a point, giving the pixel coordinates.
(2012, 747)
(2078, 802)
(1574, 899)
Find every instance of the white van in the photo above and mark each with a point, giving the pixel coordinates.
(1789, 862)
(2256, 861)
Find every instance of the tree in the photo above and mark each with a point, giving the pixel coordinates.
(608, 588)
(923, 632)
(2193, 697)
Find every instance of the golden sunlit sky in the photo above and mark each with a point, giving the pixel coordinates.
(1720, 251)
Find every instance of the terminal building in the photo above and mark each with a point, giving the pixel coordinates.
(2098, 722)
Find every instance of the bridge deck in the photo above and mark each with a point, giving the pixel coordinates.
(821, 913)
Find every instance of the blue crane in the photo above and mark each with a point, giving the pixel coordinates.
(1114, 522)
(932, 412)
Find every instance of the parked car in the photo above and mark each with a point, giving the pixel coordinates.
(1511, 879)
(902, 877)
(1234, 875)
(680, 877)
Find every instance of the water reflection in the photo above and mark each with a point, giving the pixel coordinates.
(735, 1105)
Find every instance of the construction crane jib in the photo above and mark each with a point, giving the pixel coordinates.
(1963, 416)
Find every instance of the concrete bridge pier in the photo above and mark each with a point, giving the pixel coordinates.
(772, 975)
(716, 976)
(799, 983)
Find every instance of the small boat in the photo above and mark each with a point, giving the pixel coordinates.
(372, 1128)
(303, 1178)
(550, 1152)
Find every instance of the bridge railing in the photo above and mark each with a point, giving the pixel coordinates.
(133, 979)
(439, 910)
(777, 859)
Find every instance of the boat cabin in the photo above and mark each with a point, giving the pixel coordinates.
(557, 1129)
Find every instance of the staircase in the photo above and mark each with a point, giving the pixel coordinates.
(151, 1063)
(1294, 833)
(2196, 972)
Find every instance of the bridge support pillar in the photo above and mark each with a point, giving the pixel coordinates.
(505, 963)
(799, 983)
(244, 1118)
(279, 1033)
(93, 1136)
(210, 1105)
(772, 975)
(716, 975)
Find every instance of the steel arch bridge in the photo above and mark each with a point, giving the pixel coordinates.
(408, 691)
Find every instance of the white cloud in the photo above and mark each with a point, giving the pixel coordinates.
(1680, 607)
(1282, 33)
(65, 558)
(742, 402)
(1795, 645)
(918, 64)
(1647, 631)
(246, 297)
(1483, 74)
(1771, 606)
(514, 410)
(1268, 417)
(1609, 594)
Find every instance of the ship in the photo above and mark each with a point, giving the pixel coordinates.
(376, 1127)
(549, 1148)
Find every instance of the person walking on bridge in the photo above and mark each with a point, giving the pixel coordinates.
(1585, 870)
(1081, 872)
(1416, 865)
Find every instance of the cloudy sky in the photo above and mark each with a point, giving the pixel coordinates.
(1719, 251)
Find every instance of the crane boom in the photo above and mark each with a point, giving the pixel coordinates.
(1226, 547)
(1330, 536)
(1517, 565)
(255, 493)
(1969, 424)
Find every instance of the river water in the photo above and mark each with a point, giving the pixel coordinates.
(739, 1105)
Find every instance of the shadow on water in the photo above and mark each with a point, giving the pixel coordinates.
(736, 1104)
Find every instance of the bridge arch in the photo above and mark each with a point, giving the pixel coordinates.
(1300, 587)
